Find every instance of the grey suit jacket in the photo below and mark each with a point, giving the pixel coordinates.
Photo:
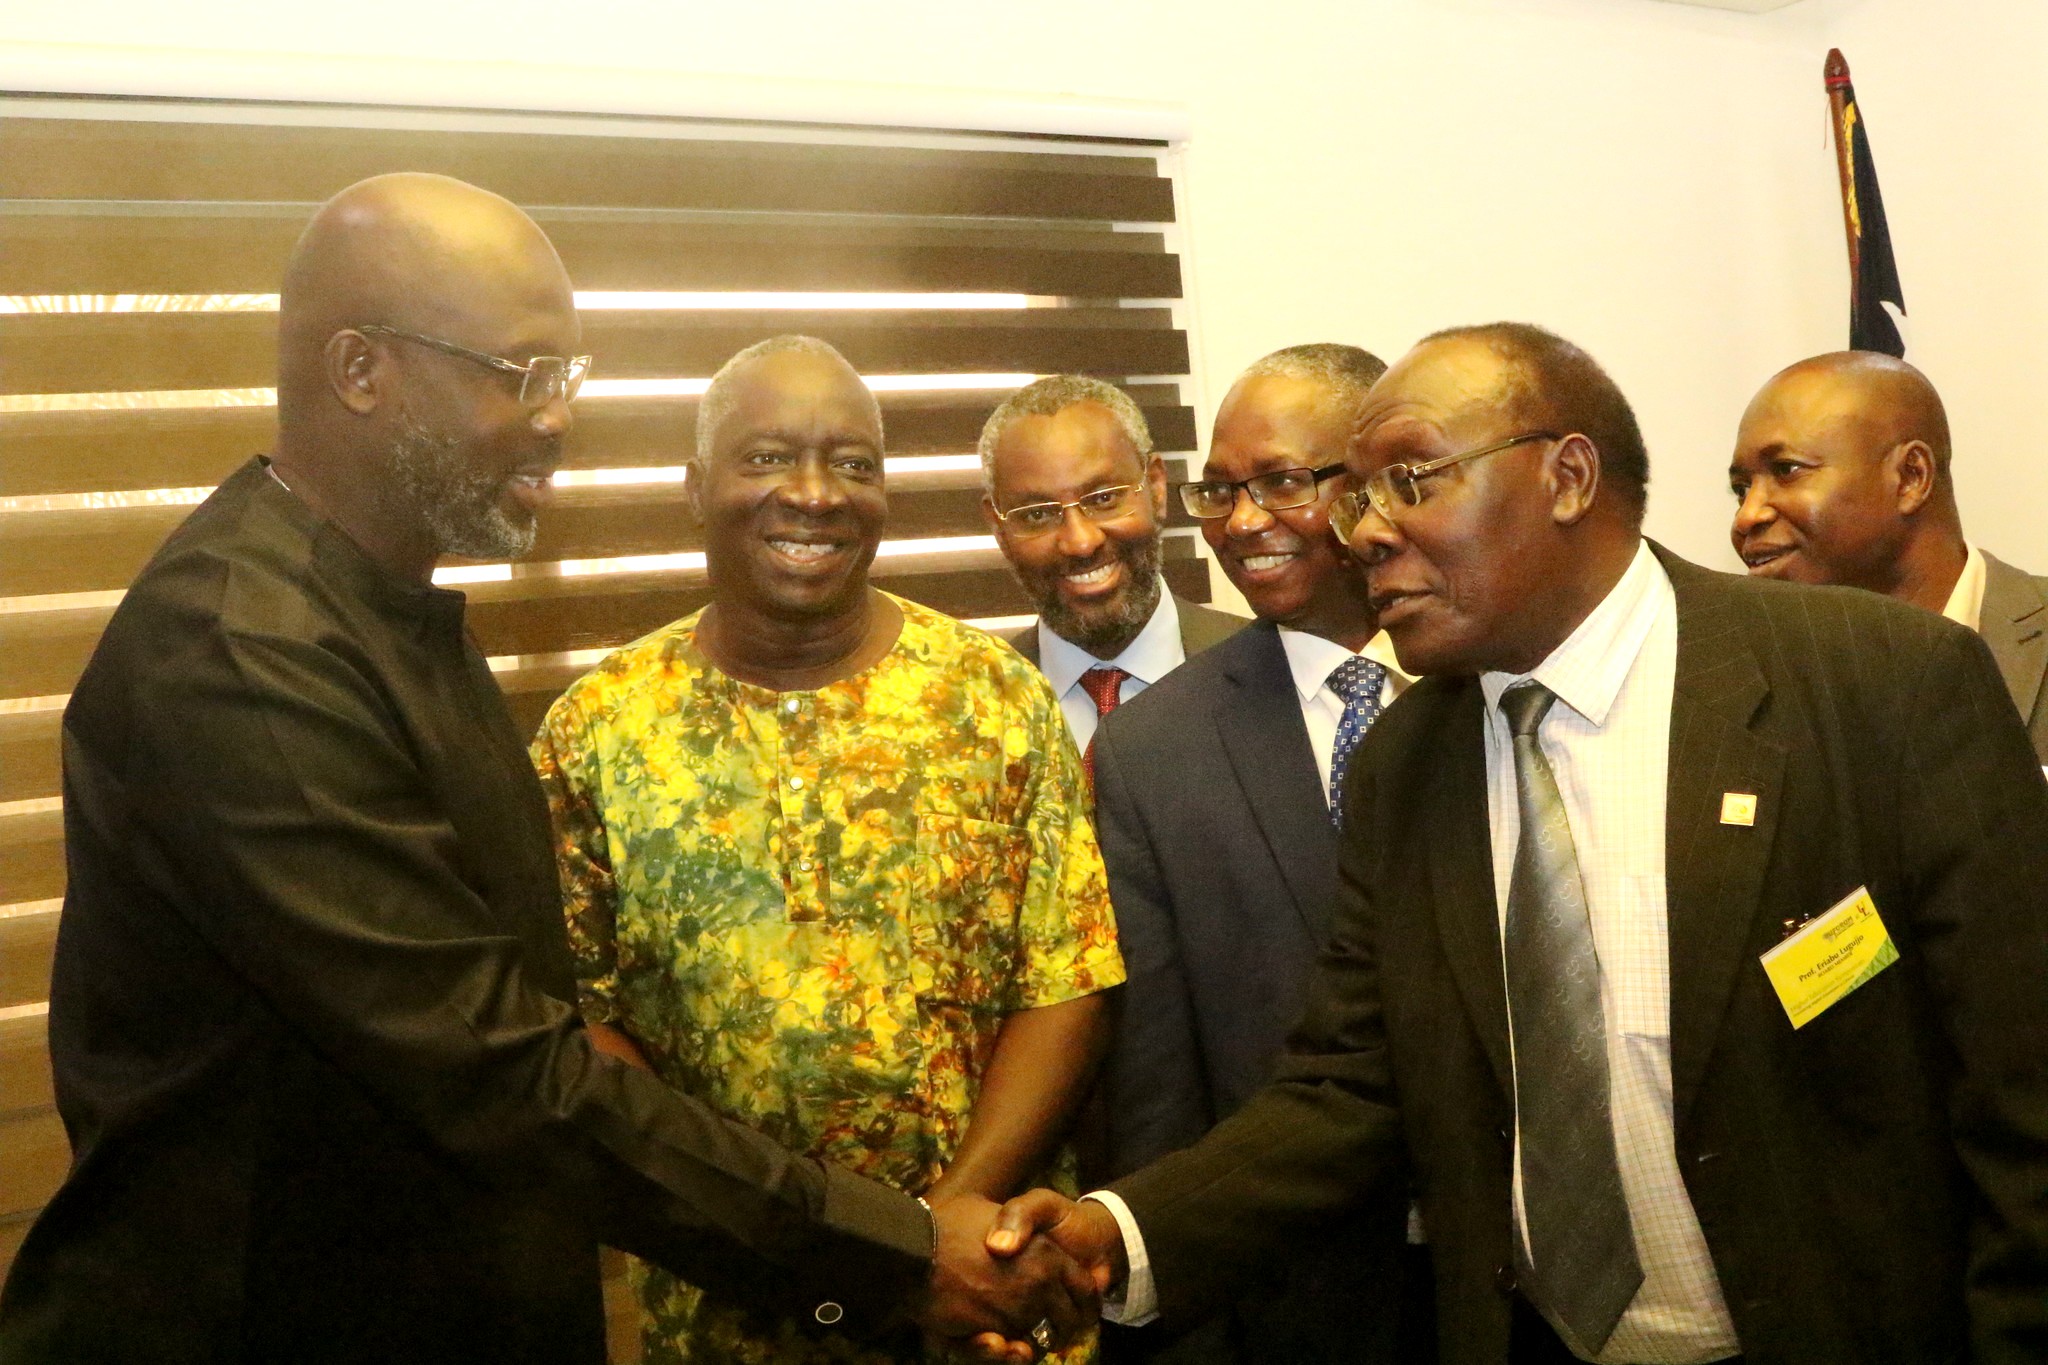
(1200, 627)
(2015, 624)
(1870, 1184)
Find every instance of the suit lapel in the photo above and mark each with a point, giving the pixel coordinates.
(1714, 871)
(1258, 718)
(1455, 830)
(2014, 623)
(1201, 627)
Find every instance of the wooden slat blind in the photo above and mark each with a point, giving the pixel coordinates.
(244, 253)
(156, 351)
(108, 401)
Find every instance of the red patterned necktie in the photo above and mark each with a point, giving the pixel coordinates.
(1103, 686)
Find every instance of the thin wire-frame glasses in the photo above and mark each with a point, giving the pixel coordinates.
(1395, 487)
(540, 378)
(1043, 518)
(1275, 491)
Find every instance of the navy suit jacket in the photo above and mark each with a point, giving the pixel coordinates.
(1223, 870)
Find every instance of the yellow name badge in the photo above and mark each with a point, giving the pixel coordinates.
(1831, 955)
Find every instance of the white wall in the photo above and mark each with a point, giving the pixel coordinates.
(1649, 179)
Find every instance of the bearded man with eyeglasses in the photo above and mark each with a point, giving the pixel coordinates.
(1077, 501)
(312, 1017)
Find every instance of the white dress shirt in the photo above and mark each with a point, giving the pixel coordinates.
(1608, 742)
(1311, 659)
(1156, 652)
(1966, 600)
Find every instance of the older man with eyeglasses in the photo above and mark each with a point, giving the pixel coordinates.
(1690, 941)
(1077, 501)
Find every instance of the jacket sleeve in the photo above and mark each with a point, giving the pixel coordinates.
(292, 825)
(1153, 1081)
(1323, 1138)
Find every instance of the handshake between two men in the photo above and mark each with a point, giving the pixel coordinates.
(1048, 1262)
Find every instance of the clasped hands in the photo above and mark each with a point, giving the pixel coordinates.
(998, 1273)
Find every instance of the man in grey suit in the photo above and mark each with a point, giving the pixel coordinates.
(1841, 470)
(1689, 944)
(1216, 804)
(1077, 500)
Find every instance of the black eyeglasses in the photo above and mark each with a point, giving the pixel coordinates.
(1276, 491)
(1398, 486)
(540, 379)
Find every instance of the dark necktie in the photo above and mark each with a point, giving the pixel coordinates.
(1576, 1218)
(1359, 681)
(1103, 686)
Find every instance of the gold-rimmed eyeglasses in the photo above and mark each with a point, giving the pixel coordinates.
(540, 379)
(1388, 491)
(1042, 518)
(1275, 491)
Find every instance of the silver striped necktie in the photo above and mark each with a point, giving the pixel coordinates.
(1585, 1270)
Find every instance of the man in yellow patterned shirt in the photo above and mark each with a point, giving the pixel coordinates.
(825, 857)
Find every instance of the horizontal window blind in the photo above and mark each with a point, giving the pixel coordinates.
(141, 246)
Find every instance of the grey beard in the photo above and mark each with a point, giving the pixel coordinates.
(461, 509)
(1118, 626)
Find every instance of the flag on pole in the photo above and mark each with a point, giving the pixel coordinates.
(1874, 274)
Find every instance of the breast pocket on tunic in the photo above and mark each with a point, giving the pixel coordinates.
(967, 898)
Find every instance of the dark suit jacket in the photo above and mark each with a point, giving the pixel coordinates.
(1223, 869)
(312, 1015)
(1200, 627)
(2014, 623)
(1870, 1186)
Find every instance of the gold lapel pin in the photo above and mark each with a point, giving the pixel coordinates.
(1738, 808)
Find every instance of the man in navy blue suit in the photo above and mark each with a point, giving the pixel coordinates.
(1218, 822)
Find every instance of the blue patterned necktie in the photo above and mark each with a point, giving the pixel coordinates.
(1585, 1271)
(1359, 681)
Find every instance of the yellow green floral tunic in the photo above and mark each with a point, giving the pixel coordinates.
(814, 909)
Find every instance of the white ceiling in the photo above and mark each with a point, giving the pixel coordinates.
(1746, 6)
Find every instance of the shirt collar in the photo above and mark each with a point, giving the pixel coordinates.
(1586, 671)
(1155, 653)
(1966, 600)
(1312, 658)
